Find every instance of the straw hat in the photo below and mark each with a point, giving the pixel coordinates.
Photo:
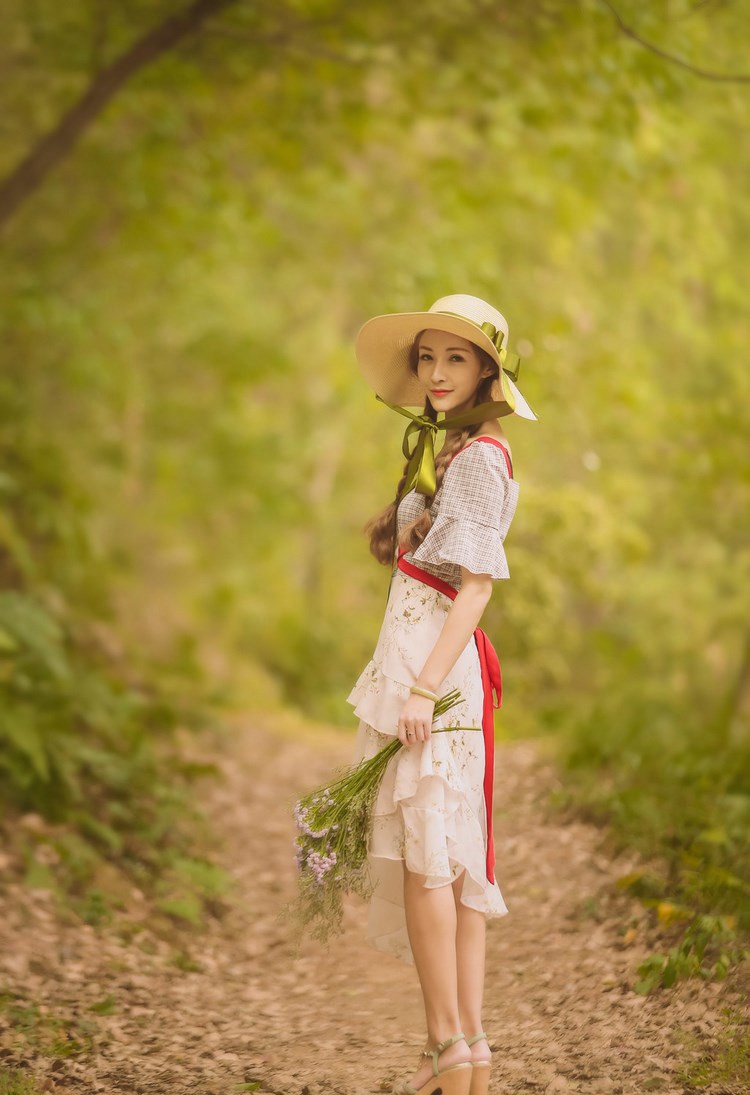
(382, 349)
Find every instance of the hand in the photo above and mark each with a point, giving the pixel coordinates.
(415, 721)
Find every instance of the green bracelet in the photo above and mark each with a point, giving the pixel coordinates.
(424, 692)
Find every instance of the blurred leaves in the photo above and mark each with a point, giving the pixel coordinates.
(189, 453)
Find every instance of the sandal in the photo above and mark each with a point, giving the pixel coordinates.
(480, 1070)
(456, 1080)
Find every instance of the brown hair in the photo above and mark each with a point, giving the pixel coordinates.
(382, 527)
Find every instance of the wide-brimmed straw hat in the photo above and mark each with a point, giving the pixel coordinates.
(383, 343)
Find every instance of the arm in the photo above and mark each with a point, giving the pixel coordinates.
(463, 617)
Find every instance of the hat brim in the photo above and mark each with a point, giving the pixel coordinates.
(382, 350)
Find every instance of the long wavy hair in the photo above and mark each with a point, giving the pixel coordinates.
(382, 527)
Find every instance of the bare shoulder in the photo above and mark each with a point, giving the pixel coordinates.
(489, 429)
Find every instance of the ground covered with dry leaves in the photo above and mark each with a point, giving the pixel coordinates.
(231, 1008)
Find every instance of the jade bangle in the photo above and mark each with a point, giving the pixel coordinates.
(424, 692)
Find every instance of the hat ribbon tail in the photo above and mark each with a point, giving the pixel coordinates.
(420, 473)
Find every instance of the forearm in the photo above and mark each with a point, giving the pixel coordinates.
(460, 624)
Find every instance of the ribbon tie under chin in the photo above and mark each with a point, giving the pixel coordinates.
(420, 473)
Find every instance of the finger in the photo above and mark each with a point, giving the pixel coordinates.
(417, 728)
(406, 735)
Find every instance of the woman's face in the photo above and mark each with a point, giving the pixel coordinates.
(450, 369)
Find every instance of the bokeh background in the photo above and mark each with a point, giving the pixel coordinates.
(189, 453)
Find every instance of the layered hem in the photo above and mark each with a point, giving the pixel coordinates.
(379, 699)
(423, 818)
(430, 812)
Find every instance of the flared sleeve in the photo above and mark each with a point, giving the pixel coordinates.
(477, 502)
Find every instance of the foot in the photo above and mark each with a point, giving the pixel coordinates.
(457, 1054)
(480, 1051)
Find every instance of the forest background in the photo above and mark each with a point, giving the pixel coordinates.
(189, 452)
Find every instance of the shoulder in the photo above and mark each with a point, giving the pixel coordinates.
(476, 483)
(481, 456)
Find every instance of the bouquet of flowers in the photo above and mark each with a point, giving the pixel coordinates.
(331, 848)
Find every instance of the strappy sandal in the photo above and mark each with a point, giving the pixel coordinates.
(456, 1080)
(480, 1070)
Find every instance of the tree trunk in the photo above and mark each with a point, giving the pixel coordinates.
(55, 145)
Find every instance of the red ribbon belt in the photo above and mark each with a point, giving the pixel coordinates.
(493, 696)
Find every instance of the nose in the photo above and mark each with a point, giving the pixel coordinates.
(436, 373)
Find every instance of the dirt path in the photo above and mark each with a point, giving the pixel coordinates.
(560, 1008)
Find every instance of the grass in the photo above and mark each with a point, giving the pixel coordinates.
(43, 1032)
(669, 788)
(726, 1063)
(17, 1081)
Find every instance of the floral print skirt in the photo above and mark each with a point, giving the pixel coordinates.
(430, 811)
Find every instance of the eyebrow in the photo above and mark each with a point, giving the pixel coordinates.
(462, 349)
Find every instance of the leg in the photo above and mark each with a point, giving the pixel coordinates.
(470, 963)
(431, 924)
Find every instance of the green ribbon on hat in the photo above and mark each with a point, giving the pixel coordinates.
(421, 473)
(496, 335)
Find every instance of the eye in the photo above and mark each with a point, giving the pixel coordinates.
(457, 357)
(425, 356)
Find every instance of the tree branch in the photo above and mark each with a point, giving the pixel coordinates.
(702, 72)
(55, 145)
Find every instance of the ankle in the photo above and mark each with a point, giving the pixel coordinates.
(479, 1046)
(447, 1052)
(441, 1035)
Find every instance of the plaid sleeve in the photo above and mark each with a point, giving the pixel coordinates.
(477, 502)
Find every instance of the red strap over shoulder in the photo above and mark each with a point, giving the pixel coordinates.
(497, 444)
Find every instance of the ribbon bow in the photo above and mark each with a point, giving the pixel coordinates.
(496, 336)
(421, 474)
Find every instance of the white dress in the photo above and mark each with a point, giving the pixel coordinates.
(430, 809)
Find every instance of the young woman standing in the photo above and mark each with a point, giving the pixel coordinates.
(431, 853)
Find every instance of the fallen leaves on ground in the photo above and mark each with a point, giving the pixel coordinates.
(136, 1008)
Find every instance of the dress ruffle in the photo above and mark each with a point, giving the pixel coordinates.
(466, 543)
(430, 807)
(378, 701)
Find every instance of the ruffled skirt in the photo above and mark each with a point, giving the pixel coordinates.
(430, 810)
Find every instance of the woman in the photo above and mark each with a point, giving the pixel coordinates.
(431, 854)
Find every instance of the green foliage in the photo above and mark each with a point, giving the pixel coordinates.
(726, 1062)
(708, 949)
(189, 454)
(15, 1081)
(181, 960)
(77, 747)
(44, 1032)
(189, 888)
(106, 1006)
(670, 788)
(67, 732)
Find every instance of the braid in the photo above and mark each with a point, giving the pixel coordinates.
(382, 528)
